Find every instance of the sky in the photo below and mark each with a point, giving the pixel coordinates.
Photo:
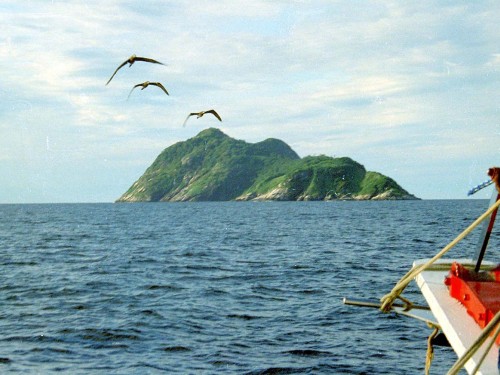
(407, 89)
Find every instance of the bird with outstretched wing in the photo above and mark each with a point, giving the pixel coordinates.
(131, 60)
(200, 114)
(146, 84)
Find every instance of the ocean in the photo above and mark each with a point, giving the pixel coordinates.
(218, 287)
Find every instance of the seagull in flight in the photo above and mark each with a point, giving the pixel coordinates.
(200, 114)
(146, 84)
(132, 59)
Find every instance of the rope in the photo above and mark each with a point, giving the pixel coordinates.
(430, 348)
(408, 305)
(486, 351)
(389, 298)
(477, 344)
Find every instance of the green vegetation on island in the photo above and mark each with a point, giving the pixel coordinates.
(215, 167)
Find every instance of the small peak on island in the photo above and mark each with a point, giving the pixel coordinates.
(273, 146)
(211, 133)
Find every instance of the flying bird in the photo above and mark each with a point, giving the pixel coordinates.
(146, 84)
(132, 59)
(200, 114)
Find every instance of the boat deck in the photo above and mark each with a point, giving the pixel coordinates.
(458, 326)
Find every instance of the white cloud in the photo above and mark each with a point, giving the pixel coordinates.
(326, 77)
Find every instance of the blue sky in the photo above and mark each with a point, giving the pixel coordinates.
(410, 90)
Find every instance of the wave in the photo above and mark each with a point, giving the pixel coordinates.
(308, 353)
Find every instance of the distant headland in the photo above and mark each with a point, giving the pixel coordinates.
(215, 167)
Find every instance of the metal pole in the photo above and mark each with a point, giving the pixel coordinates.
(485, 233)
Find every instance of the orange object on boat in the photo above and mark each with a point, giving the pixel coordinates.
(479, 292)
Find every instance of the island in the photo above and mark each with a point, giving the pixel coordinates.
(215, 167)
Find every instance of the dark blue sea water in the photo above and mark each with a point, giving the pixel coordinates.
(211, 288)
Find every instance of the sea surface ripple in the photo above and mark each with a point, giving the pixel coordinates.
(211, 288)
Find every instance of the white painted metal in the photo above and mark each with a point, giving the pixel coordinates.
(458, 326)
